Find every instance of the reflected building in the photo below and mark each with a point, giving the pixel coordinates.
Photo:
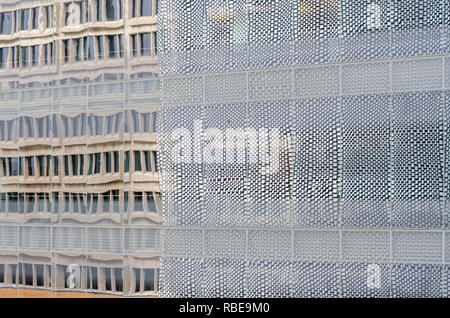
(80, 203)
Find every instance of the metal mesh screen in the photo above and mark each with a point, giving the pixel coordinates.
(304, 148)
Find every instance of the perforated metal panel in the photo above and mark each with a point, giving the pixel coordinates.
(304, 148)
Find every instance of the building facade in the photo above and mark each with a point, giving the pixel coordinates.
(304, 148)
(80, 199)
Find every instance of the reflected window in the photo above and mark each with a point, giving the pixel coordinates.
(35, 18)
(74, 165)
(106, 202)
(108, 162)
(6, 22)
(149, 279)
(111, 9)
(48, 16)
(147, 161)
(30, 164)
(13, 164)
(112, 45)
(3, 56)
(121, 49)
(55, 196)
(34, 55)
(78, 49)
(97, 163)
(137, 161)
(2, 204)
(146, 8)
(134, 8)
(88, 48)
(155, 161)
(13, 202)
(24, 18)
(101, 52)
(126, 167)
(99, 10)
(91, 159)
(151, 205)
(41, 165)
(134, 44)
(55, 166)
(145, 44)
(138, 204)
(66, 165)
(81, 165)
(66, 47)
(116, 161)
(25, 56)
(125, 201)
(94, 203)
(136, 121)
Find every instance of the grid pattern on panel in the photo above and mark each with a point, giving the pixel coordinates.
(317, 142)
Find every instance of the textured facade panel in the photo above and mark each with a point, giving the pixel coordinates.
(322, 155)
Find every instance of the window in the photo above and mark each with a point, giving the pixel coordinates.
(30, 163)
(30, 200)
(151, 205)
(116, 161)
(155, 42)
(106, 202)
(15, 56)
(112, 46)
(121, 49)
(138, 204)
(88, 48)
(34, 55)
(115, 196)
(137, 161)
(74, 165)
(135, 9)
(118, 279)
(81, 165)
(108, 162)
(101, 51)
(99, 10)
(146, 8)
(3, 56)
(111, 9)
(145, 44)
(55, 202)
(149, 279)
(155, 161)
(97, 163)
(134, 44)
(125, 201)
(48, 16)
(13, 164)
(66, 46)
(91, 159)
(25, 56)
(147, 161)
(6, 22)
(66, 202)
(12, 202)
(55, 166)
(52, 52)
(78, 49)
(126, 167)
(35, 18)
(66, 165)
(24, 17)
(41, 165)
